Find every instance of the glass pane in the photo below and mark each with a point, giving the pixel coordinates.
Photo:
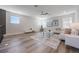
(15, 20)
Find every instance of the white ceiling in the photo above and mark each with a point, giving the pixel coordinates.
(30, 10)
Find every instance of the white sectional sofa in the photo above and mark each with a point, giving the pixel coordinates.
(72, 40)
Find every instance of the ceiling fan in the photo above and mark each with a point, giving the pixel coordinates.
(42, 12)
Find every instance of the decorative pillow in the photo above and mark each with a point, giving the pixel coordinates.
(67, 31)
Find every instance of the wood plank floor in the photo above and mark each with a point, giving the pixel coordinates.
(22, 43)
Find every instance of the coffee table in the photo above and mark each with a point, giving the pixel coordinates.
(42, 39)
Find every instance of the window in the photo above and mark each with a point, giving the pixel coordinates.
(14, 20)
(42, 21)
(67, 22)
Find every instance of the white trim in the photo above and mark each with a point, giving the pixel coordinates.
(66, 13)
(9, 34)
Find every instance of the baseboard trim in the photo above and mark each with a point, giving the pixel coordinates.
(29, 32)
(11, 34)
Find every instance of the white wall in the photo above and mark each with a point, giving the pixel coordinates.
(73, 15)
(78, 14)
(26, 22)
